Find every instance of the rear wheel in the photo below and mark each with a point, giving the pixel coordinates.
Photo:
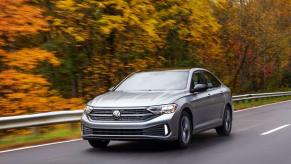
(225, 128)
(99, 143)
(185, 130)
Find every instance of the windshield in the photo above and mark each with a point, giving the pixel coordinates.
(155, 81)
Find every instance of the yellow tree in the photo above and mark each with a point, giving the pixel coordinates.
(22, 90)
(120, 36)
(116, 36)
(191, 33)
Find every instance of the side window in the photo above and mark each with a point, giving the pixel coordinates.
(194, 79)
(212, 82)
(197, 78)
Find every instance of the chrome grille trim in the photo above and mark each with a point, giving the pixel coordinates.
(127, 114)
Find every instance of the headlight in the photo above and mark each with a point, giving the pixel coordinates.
(163, 109)
(87, 109)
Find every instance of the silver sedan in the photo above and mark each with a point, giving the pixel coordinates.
(168, 105)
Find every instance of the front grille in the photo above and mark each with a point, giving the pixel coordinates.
(128, 114)
(152, 131)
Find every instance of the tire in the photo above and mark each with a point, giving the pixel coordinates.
(185, 130)
(225, 128)
(98, 143)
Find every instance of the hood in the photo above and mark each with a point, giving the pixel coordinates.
(128, 99)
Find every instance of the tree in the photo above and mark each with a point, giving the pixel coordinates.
(256, 37)
(191, 33)
(17, 18)
(111, 36)
(22, 90)
(98, 43)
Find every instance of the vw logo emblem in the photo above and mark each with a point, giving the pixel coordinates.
(116, 114)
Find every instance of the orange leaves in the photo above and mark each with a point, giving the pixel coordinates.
(27, 93)
(28, 59)
(13, 81)
(21, 90)
(18, 18)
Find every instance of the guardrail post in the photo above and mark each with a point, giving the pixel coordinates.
(72, 126)
(35, 130)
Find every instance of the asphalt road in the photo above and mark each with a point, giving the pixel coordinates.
(246, 145)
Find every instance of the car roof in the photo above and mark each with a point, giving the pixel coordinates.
(162, 70)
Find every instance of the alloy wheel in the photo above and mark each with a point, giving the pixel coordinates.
(185, 129)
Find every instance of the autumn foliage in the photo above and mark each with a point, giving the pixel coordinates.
(17, 19)
(56, 53)
(22, 90)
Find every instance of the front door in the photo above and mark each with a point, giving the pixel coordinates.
(200, 102)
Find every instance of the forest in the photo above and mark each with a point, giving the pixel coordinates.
(58, 54)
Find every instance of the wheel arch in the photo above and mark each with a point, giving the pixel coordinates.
(228, 105)
(187, 109)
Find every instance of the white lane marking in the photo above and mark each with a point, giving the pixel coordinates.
(35, 146)
(246, 109)
(274, 130)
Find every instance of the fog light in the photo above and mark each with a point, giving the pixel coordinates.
(166, 129)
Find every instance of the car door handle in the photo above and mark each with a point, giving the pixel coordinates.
(209, 94)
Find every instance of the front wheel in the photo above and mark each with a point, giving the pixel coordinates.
(99, 143)
(185, 130)
(225, 128)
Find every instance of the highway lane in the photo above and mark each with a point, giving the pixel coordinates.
(246, 145)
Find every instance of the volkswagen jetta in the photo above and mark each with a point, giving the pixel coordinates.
(168, 105)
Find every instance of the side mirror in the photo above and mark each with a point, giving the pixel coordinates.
(199, 88)
(111, 88)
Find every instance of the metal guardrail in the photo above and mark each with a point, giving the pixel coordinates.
(75, 115)
(40, 119)
(259, 96)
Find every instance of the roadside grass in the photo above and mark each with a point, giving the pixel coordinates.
(264, 101)
(41, 135)
(46, 134)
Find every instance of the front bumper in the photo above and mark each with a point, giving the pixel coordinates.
(163, 127)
